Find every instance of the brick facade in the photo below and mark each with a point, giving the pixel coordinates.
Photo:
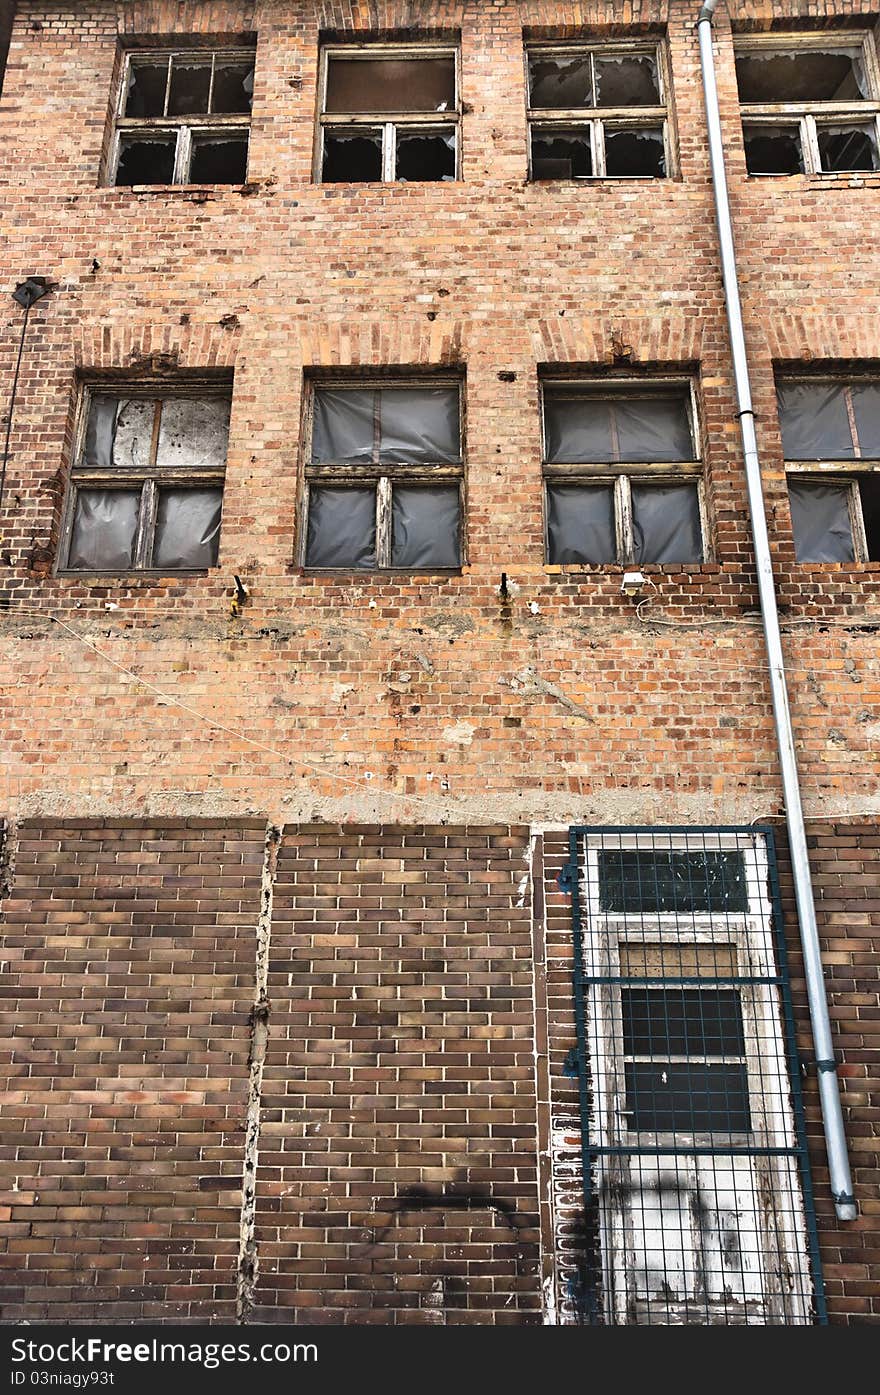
(147, 720)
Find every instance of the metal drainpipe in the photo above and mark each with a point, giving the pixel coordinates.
(829, 1088)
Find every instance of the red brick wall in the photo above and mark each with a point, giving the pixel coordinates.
(397, 1177)
(129, 954)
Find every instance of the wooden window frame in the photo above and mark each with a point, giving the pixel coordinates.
(623, 474)
(593, 120)
(839, 471)
(149, 480)
(388, 125)
(182, 129)
(381, 476)
(811, 116)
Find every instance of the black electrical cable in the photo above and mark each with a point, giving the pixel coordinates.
(27, 311)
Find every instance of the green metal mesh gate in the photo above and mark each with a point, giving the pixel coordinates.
(696, 1184)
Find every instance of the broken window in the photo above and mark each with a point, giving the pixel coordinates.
(809, 105)
(831, 442)
(694, 1210)
(183, 117)
(622, 474)
(389, 114)
(597, 112)
(383, 486)
(146, 487)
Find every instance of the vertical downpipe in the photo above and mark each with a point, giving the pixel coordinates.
(829, 1087)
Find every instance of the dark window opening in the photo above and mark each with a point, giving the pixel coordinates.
(147, 83)
(635, 153)
(869, 496)
(233, 88)
(425, 157)
(389, 86)
(633, 881)
(563, 155)
(627, 80)
(690, 1098)
(682, 1022)
(352, 159)
(219, 160)
(146, 161)
(773, 149)
(190, 88)
(792, 75)
(843, 148)
(560, 82)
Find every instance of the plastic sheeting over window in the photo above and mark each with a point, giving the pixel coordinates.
(187, 528)
(342, 528)
(666, 523)
(387, 86)
(768, 76)
(104, 530)
(193, 432)
(589, 429)
(814, 421)
(425, 527)
(119, 433)
(580, 523)
(820, 519)
(866, 410)
(386, 425)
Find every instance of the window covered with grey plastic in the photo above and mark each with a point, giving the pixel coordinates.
(146, 485)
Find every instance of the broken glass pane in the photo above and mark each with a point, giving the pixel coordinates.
(580, 523)
(119, 433)
(193, 432)
(773, 149)
(687, 1098)
(682, 1022)
(104, 529)
(219, 160)
(384, 86)
(666, 523)
(420, 424)
(190, 86)
(814, 421)
(801, 75)
(627, 80)
(146, 161)
(425, 157)
(869, 494)
(590, 429)
(821, 522)
(425, 526)
(342, 528)
(866, 410)
(560, 82)
(146, 88)
(645, 881)
(233, 87)
(561, 155)
(352, 159)
(187, 528)
(847, 147)
(635, 153)
(344, 425)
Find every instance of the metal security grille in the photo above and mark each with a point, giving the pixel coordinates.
(697, 1193)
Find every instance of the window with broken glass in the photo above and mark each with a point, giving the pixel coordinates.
(146, 487)
(389, 114)
(622, 474)
(384, 478)
(831, 442)
(809, 103)
(183, 117)
(598, 112)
